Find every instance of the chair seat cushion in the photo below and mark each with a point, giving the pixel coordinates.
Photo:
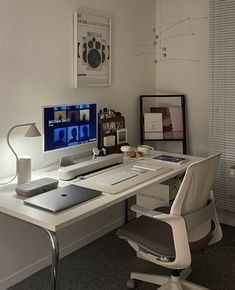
(151, 235)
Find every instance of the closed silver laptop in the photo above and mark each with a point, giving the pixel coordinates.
(62, 198)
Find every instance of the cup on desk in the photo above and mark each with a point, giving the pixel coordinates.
(125, 150)
(145, 149)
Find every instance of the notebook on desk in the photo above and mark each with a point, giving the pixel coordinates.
(171, 159)
(62, 198)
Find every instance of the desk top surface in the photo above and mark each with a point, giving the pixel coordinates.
(12, 204)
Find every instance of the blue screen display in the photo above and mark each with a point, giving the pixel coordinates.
(66, 126)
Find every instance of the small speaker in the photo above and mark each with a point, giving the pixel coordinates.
(36, 187)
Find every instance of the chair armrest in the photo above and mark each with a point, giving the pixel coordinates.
(165, 217)
(144, 211)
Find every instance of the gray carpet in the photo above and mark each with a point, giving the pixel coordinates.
(106, 263)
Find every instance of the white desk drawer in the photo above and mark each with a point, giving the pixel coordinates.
(158, 195)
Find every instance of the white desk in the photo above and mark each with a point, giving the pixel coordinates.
(12, 205)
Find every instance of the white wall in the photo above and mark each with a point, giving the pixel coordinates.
(36, 69)
(36, 64)
(189, 78)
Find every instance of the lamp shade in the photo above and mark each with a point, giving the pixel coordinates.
(32, 131)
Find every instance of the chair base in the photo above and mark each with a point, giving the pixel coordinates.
(166, 282)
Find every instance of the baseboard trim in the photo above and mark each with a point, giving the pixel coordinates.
(44, 262)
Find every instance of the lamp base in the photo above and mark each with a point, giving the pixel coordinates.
(24, 169)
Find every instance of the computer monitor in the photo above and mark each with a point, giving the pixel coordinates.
(69, 130)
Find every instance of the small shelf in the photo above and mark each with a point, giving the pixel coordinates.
(108, 127)
(162, 118)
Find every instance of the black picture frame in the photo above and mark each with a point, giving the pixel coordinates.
(160, 103)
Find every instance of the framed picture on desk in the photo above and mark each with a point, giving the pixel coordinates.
(121, 136)
(162, 120)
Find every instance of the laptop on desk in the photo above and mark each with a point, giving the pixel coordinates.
(62, 198)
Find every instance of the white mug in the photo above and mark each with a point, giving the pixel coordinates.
(145, 149)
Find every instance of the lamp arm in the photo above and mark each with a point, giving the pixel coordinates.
(8, 136)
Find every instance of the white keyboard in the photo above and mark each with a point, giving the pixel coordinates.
(114, 178)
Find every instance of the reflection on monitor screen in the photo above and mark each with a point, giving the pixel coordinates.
(69, 127)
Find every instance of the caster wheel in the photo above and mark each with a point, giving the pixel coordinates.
(131, 284)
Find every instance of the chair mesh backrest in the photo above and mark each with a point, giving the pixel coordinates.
(195, 189)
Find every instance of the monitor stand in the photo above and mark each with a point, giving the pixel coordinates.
(66, 161)
(73, 159)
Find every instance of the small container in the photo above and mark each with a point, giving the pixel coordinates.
(125, 150)
(105, 113)
(111, 113)
(104, 151)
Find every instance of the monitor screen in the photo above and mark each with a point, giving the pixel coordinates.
(69, 126)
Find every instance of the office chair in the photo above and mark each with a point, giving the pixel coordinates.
(167, 236)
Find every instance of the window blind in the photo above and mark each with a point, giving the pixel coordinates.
(222, 96)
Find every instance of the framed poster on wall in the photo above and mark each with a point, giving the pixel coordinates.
(92, 50)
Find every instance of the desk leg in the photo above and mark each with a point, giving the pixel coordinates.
(55, 260)
(126, 211)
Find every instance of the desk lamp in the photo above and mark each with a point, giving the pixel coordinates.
(23, 163)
